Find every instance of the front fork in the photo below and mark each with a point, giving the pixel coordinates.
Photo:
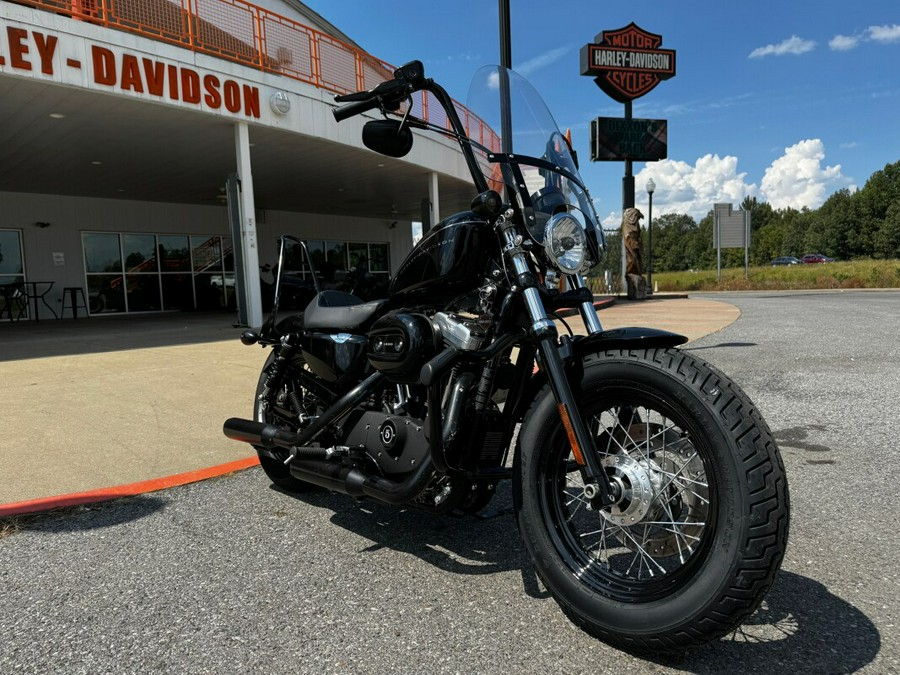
(597, 486)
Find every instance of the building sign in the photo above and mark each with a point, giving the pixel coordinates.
(628, 62)
(617, 139)
(73, 60)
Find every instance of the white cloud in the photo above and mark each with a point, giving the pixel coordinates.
(793, 45)
(541, 61)
(843, 43)
(526, 68)
(686, 188)
(693, 189)
(884, 33)
(798, 179)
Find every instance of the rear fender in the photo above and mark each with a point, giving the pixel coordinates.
(582, 345)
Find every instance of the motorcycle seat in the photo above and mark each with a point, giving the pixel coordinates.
(336, 310)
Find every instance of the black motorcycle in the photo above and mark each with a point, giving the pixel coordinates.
(648, 490)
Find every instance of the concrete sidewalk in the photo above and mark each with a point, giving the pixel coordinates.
(103, 402)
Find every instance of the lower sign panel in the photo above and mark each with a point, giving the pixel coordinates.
(617, 139)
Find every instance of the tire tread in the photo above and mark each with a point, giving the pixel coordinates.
(764, 542)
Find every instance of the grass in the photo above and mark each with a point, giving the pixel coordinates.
(8, 526)
(852, 274)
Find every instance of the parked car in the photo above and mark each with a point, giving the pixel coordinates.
(816, 258)
(786, 260)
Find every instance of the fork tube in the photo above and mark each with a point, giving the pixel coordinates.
(551, 361)
(587, 309)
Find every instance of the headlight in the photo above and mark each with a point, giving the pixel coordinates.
(565, 243)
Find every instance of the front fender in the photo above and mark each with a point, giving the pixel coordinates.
(582, 345)
(626, 338)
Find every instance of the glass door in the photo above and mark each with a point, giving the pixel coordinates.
(13, 302)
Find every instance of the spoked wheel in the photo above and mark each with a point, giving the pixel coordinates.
(644, 543)
(700, 524)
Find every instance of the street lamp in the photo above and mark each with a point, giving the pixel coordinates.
(651, 186)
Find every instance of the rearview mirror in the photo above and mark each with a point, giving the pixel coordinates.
(389, 137)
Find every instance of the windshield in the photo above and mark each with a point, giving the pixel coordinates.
(539, 171)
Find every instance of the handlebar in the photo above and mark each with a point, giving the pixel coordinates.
(387, 95)
(343, 112)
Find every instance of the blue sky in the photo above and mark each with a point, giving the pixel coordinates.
(786, 101)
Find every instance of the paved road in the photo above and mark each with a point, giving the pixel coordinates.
(232, 576)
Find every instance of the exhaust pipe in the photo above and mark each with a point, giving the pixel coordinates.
(332, 475)
(258, 433)
(352, 481)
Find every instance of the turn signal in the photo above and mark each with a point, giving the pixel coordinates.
(567, 424)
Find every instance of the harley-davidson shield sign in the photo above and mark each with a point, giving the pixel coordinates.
(627, 63)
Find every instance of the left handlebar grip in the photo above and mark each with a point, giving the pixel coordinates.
(342, 112)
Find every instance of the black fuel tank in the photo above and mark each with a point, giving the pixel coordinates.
(450, 260)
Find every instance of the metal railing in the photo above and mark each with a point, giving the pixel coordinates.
(238, 31)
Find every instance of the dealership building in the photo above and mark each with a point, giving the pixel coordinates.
(145, 143)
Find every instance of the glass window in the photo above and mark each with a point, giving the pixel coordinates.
(207, 254)
(359, 257)
(209, 291)
(140, 252)
(177, 290)
(294, 258)
(143, 292)
(337, 254)
(127, 272)
(101, 253)
(13, 301)
(10, 253)
(174, 253)
(105, 293)
(317, 252)
(378, 257)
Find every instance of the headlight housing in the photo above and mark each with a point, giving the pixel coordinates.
(566, 243)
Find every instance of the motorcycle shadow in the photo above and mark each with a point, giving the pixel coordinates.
(800, 627)
(487, 543)
(87, 517)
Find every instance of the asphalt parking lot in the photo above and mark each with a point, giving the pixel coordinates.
(230, 575)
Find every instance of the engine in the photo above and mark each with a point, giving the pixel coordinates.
(401, 343)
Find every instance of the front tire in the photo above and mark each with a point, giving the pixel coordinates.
(697, 538)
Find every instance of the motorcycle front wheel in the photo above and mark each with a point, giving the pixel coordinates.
(700, 528)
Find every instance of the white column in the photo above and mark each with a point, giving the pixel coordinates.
(435, 198)
(248, 225)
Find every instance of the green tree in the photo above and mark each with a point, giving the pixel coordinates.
(671, 234)
(874, 201)
(887, 238)
(761, 213)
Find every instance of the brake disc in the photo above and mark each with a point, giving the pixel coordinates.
(665, 496)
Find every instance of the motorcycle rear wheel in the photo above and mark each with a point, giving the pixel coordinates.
(697, 539)
(274, 467)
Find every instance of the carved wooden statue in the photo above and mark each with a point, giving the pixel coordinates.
(634, 259)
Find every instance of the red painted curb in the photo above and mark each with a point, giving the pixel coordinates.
(129, 490)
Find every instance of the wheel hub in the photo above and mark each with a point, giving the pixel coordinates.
(635, 490)
(639, 472)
